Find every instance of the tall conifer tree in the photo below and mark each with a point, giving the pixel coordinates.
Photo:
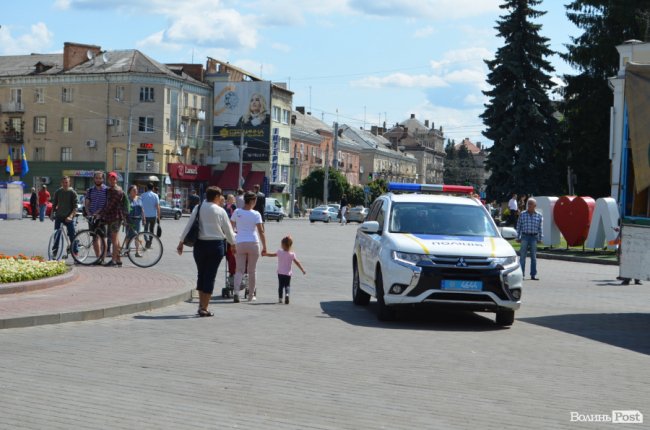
(519, 115)
(587, 97)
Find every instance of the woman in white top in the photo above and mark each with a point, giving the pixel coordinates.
(209, 249)
(250, 232)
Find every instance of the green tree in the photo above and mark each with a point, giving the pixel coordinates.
(377, 188)
(312, 185)
(519, 115)
(587, 97)
(355, 195)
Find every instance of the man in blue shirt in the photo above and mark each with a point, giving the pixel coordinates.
(529, 232)
(95, 201)
(151, 209)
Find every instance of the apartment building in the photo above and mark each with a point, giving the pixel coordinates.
(88, 109)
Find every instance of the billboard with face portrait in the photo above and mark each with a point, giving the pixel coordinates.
(244, 107)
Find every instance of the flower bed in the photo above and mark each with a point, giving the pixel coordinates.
(21, 268)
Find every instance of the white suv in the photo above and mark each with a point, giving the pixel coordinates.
(421, 249)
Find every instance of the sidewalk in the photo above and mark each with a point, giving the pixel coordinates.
(91, 293)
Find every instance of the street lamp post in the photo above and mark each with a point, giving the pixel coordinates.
(242, 146)
(128, 151)
(293, 178)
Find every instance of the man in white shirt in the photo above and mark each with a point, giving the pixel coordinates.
(151, 209)
(514, 209)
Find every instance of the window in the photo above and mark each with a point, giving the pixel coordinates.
(66, 95)
(145, 124)
(66, 124)
(168, 97)
(119, 93)
(39, 95)
(167, 125)
(284, 144)
(275, 114)
(185, 99)
(284, 173)
(39, 154)
(17, 97)
(40, 124)
(285, 116)
(194, 101)
(202, 103)
(146, 94)
(66, 154)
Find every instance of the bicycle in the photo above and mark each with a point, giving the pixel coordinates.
(58, 246)
(144, 249)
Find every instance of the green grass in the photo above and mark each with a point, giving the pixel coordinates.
(578, 251)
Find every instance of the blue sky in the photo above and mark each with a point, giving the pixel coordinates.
(360, 62)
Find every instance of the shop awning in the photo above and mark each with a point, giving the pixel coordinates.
(254, 178)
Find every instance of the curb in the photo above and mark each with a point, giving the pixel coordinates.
(94, 314)
(39, 284)
(549, 256)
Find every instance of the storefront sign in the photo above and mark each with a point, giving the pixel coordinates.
(188, 172)
(146, 146)
(79, 173)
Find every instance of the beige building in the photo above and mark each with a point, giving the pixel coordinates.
(88, 109)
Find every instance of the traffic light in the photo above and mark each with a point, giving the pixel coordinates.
(370, 176)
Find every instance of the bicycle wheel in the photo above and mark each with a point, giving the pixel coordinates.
(145, 249)
(90, 247)
(55, 246)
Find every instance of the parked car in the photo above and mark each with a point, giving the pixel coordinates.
(324, 213)
(357, 214)
(273, 210)
(167, 211)
(81, 209)
(27, 208)
(435, 250)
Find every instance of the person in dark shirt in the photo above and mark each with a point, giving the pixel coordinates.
(33, 203)
(192, 200)
(260, 204)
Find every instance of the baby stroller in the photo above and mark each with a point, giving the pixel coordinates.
(228, 291)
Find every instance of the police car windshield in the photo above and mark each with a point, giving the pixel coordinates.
(440, 219)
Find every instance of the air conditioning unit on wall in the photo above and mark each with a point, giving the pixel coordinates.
(91, 143)
(110, 121)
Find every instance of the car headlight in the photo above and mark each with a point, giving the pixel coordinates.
(410, 258)
(505, 261)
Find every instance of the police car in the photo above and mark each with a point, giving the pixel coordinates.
(435, 249)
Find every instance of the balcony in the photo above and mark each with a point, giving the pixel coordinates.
(12, 137)
(148, 167)
(12, 107)
(193, 113)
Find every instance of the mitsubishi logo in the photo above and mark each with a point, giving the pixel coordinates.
(461, 262)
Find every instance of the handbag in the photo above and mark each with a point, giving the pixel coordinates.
(193, 234)
(159, 230)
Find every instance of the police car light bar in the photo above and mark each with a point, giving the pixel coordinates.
(430, 188)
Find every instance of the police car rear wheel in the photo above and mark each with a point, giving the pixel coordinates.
(505, 318)
(359, 297)
(384, 313)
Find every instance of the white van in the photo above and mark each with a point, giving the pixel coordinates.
(273, 209)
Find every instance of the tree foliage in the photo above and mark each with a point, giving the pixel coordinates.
(519, 115)
(587, 97)
(312, 185)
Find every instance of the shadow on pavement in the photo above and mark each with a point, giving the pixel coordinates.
(410, 318)
(629, 331)
(164, 317)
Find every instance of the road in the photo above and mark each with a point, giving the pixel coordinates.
(581, 344)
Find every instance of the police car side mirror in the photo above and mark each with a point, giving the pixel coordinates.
(369, 227)
(508, 233)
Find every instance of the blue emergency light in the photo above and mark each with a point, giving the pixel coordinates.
(430, 188)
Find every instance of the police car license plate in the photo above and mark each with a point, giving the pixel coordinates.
(456, 285)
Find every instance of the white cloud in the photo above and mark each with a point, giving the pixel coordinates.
(281, 47)
(38, 39)
(466, 56)
(400, 80)
(292, 12)
(157, 41)
(424, 32)
(62, 4)
(456, 123)
(435, 9)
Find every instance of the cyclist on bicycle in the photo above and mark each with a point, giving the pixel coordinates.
(94, 201)
(64, 209)
(113, 214)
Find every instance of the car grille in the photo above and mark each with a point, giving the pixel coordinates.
(431, 278)
(455, 261)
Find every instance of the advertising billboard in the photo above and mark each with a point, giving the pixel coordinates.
(244, 107)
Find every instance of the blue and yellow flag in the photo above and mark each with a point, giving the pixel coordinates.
(10, 164)
(24, 167)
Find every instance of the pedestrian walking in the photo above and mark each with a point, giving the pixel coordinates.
(214, 230)
(151, 207)
(43, 199)
(260, 205)
(64, 209)
(513, 208)
(135, 218)
(231, 206)
(239, 199)
(192, 200)
(286, 257)
(33, 203)
(529, 232)
(113, 214)
(343, 209)
(250, 234)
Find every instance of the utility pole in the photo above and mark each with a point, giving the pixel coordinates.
(326, 179)
(293, 180)
(128, 151)
(336, 145)
(242, 146)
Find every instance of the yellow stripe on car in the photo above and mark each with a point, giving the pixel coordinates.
(419, 242)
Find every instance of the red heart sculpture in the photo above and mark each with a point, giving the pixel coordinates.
(572, 216)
